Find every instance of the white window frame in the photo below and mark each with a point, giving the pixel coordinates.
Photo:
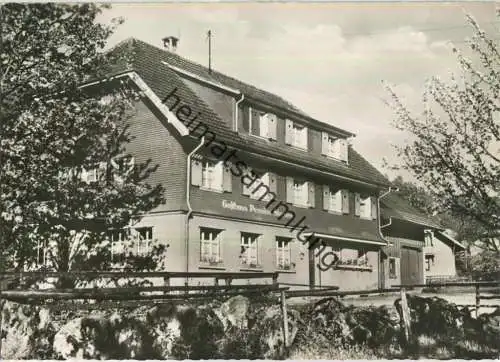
(120, 242)
(143, 246)
(212, 175)
(395, 275)
(335, 197)
(249, 245)
(300, 196)
(264, 179)
(299, 136)
(365, 208)
(210, 239)
(263, 125)
(333, 149)
(429, 238)
(283, 253)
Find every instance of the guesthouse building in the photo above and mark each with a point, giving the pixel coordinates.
(252, 182)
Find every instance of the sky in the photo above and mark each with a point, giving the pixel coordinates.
(328, 59)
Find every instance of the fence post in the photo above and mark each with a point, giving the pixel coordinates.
(478, 300)
(166, 283)
(405, 315)
(1, 317)
(285, 319)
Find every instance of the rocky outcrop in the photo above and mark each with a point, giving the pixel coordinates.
(438, 318)
(27, 331)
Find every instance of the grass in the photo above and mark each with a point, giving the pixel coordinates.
(332, 353)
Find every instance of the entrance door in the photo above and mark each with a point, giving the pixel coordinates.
(411, 266)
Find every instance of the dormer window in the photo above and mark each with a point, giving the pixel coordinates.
(296, 134)
(334, 147)
(263, 124)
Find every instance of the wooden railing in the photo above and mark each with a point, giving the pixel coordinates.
(477, 291)
(135, 296)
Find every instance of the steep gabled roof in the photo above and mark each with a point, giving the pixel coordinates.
(396, 207)
(147, 61)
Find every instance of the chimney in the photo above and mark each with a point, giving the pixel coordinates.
(170, 43)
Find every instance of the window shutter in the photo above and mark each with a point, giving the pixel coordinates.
(255, 122)
(273, 182)
(227, 178)
(288, 132)
(324, 143)
(311, 194)
(345, 201)
(196, 167)
(273, 124)
(342, 149)
(346, 151)
(326, 197)
(357, 202)
(289, 189)
(246, 189)
(264, 124)
(374, 207)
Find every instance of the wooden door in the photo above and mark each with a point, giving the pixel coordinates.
(411, 266)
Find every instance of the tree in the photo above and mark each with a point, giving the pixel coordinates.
(455, 148)
(66, 178)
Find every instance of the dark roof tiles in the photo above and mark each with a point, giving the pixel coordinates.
(147, 62)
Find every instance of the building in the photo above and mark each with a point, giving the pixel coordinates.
(420, 250)
(210, 136)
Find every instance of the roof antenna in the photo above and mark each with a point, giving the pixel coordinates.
(209, 37)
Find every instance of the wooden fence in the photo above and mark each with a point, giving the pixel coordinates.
(479, 295)
(136, 296)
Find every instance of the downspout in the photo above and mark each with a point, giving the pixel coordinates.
(380, 227)
(236, 113)
(188, 201)
(379, 214)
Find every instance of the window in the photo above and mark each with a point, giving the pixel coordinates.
(211, 175)
(118, 238)
(362, 257)
(41, 254)
(284, 253)
(145, 237)
(263, 124)
(249, 253)
(299, 136)
(334, 147)
(365, 207)
(429, 261)
(123, 241)
(210, 251)
(122, 167)
(93, 174)
(392, 268)
(295, 134)
(428, 238)
(299, 192)
(335, 200)
(267, 182)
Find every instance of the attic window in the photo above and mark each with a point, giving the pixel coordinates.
(334, 147)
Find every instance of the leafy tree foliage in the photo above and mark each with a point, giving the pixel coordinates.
(54, 132)
(456, 140)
